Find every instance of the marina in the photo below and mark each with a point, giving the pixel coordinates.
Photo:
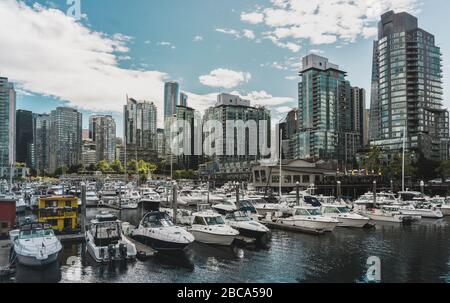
(298, 237)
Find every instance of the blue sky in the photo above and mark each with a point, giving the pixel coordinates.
(248, 47)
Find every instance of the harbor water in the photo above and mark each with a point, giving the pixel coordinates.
(419, 252)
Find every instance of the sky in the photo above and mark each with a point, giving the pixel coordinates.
(252, 48)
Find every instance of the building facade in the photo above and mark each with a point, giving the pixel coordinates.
(407, 93)
(240, 158)
(24, 137)
(41, 139)
(102, 131)
(65, 138)
(171, 98)
(7, 126)
(140, 130)
(327, 113)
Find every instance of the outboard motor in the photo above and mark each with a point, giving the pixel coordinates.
(123, 251)
(102, 253)
(111, 251)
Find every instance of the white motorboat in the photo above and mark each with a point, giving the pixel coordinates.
(432, 212)
(157, 231)
(309, 218)
(91, 198)
(247, 227)
(184, 216)
(386, 213)
(133, 195)
(21, 206)
(127, 204)
(209, 227)
(344, 215)
(106, 240)
(225, 207)
(35, 244)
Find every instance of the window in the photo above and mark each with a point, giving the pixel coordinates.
(306, 179)
(199, 221)
(287, 179)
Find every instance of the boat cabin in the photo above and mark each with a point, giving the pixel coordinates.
(156, 219)
(106, 230)
(208, 218)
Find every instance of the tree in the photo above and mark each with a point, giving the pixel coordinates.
(103, 166)
(444, 169)
(396, 166)
(62, 170)
(374, 160)
(117, 167)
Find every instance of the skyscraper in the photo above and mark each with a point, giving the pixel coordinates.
(140, 130)
(41, 139)
(171, 99)
(24, 137)
(234, 108)
(326, 112)
(358, 96)
(183, 99)
(65, 138)
(7, 126)
(102, 130)
(407, 90)
(189, 159)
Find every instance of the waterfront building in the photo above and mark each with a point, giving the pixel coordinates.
(120, 151)
(41, 139)
(160, 143)
(140, 119)
(60, 212)
(189, 159)
(102, 131)
(7, 126)
(304, 172)
(407, 93)
(233, 108)
(89, 153)
(24, 137)
(326, 113)
(65, 138)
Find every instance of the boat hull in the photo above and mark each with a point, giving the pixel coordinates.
(309, 225)
(379, 218)
(34, 262)
(161, 245)
(445, 211)
(353, 223)
(214, 239)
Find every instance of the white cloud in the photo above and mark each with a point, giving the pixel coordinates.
(165, 43)
(53, 55)
(198, 39)
(246, 33)
(263, 98)
(288, 22)
(225, 78)
(252, 18)
(291, 78)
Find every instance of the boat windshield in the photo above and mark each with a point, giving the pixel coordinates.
(314, 212)
(214, 220)
(36, 233)
(344, 210)
(238, 216)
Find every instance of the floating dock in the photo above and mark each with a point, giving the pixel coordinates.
(71, 238)
(5, 249)
(143, 250)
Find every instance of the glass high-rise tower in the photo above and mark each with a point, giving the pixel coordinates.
(171, 99)
(7, 126)
(407, 90)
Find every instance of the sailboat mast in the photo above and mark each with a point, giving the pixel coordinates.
(280, 157)
(403, 159)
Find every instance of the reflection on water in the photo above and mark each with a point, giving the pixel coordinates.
(415, 253)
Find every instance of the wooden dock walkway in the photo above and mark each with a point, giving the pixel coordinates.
(142, 249)
(5, 248)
